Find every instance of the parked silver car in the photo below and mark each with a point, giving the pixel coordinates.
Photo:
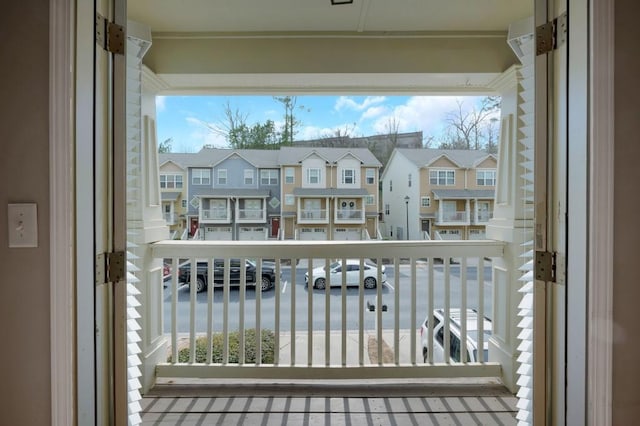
(352, 266)
(455, 348)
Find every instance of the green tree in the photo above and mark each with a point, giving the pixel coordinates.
(291, 121)
(165, 146)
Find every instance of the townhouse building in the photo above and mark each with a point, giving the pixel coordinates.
(438, 194)
(173, 191)
(292, 193)
(329, 193)
(227, 194)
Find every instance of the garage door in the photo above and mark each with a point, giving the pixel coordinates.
(347, 234)
(252, 233)
(316, 234)
(217, 233)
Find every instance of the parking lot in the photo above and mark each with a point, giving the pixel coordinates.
(300, 295)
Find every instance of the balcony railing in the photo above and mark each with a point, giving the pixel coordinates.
(460, 217)
(482, 217)
(251, 215)
(349, 216)
(312, 216)
(332, 332)
(171, 218)
(214, 215)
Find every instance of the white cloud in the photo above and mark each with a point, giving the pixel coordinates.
(160, 103)
(426, 113)
(374, 112)
(346, 102)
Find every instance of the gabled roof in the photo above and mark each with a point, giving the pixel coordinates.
(293, 155)
(209, 157)
(260, 158)
(461, 157)
(179, 160)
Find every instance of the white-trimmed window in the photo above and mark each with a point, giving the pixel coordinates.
(370, 200)
(222, 176)
(289, 199)
(348, 176)
(289, 175)
(442, 177)
(248, 176)
(409, 180)
(268, 177)
(486, 177)
(313, 176)
(390, 186)
(386, 209)
(201, 177)
(184, 204)
(170, 181)
(425, 201)
(371, 176)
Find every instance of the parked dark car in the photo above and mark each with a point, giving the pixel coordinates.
(267, 279)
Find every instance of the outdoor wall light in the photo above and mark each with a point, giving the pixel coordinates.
(337, 2)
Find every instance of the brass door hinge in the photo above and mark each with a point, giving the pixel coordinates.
(551, 35)
(109, 35)
(545, 267)
(110, 267)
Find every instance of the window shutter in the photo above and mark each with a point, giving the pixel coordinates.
(525, 125)
(135, 184)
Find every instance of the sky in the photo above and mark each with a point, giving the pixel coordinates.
(184, 119)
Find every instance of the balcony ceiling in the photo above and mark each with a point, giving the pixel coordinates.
(282, 16)
(295, 44)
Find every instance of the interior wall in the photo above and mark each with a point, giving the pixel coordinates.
(24, 177)
(626, 346)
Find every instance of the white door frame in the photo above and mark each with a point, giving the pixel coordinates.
(65, 255)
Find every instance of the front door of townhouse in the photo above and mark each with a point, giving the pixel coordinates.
(275, 227)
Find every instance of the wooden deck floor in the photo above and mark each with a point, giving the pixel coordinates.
(329, 404)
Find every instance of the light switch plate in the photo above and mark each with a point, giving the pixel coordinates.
(23, 225)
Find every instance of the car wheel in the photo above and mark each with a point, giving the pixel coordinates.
(320, 284)
(265, 284)
(201, 285)
(369, 282)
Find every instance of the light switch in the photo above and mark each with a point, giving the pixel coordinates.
(23, 225)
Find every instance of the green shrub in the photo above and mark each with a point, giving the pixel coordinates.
(217, 343)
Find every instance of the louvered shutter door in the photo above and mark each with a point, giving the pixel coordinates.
(134, 209)
(526, 92)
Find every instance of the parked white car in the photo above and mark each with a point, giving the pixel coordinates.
(471, 347)
(352, 266)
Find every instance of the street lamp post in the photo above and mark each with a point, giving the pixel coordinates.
(406, 203)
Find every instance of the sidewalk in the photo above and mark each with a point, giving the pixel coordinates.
(352, 348)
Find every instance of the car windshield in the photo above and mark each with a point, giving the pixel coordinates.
(334, 265)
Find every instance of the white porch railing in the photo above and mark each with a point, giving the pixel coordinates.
(219, 214)
(313, 216)
(252, 215)
(349, 216)
(458, 217)
(343, 322)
